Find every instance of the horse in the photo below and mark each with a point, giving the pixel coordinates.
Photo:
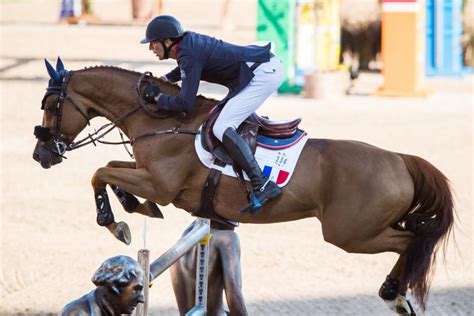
(367, 199)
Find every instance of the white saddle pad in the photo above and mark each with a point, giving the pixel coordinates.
(277, 164)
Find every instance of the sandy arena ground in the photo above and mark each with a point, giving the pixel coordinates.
(51, 245)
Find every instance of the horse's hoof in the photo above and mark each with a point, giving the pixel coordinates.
(401, 306)
(153, 209)
(122, 233)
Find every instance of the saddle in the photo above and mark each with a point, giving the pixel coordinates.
(254, 125)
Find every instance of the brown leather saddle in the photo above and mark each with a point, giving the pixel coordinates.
(249, 129)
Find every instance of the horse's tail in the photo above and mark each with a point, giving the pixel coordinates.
(430, 217)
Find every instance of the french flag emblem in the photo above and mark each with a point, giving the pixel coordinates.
(272, 173)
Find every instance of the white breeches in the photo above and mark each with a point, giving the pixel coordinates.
(268, 77)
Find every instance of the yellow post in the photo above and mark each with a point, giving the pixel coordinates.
(403, 50)
(328, 34)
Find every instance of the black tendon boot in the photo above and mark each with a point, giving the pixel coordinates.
(263, 189)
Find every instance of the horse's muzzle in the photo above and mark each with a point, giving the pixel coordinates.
(44, 154)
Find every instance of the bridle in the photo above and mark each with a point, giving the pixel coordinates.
(58, 139)
(45, 134)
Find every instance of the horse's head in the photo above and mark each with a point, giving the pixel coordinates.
(63, 119)
(73, 98)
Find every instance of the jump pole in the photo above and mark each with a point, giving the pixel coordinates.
(199, 235)
(181, 247)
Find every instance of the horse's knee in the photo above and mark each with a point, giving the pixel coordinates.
(121, 164)
(115, 164)
(96, 178)
(112, 164)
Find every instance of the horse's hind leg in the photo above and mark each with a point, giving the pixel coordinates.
(394, 241)
(392, 294)
(129, 202)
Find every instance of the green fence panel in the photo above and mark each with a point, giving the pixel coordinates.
(276, 24)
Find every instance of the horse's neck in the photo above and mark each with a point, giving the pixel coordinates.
(111, 92)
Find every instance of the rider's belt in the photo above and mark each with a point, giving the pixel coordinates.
(255, 65)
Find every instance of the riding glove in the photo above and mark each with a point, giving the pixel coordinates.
(151, 93)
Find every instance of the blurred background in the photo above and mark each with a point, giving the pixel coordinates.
(395, 74)
(314, 38)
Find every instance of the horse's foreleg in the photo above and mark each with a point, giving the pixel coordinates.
(122, 164)
(136, 181)
(105, 217)
(129, 202)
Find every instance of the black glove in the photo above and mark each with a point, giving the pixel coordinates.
(151, 92)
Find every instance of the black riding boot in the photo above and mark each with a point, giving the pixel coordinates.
(263, 189)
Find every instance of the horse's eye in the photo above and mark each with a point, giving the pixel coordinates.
(51, 108)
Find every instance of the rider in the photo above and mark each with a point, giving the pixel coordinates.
(202, 57)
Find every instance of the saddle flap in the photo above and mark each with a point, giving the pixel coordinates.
(209, 141)
(214, 146)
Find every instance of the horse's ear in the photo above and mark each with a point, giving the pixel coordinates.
(59, 65)
(53, 74)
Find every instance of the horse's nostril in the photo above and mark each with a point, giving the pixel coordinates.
(36, 157)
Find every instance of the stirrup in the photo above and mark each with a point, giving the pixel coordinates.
(253, 208)
(255, 205)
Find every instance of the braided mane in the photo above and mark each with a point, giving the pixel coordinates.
(133, 72)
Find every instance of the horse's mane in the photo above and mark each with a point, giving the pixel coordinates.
(169, 84)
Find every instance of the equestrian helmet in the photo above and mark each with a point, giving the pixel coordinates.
(161, 28)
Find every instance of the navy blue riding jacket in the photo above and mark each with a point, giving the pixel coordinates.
(201, 57)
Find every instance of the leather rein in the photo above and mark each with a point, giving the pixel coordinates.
(45, 134)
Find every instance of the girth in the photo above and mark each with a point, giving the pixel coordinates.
(206, 206)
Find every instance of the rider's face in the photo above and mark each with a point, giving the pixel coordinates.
(157, 49)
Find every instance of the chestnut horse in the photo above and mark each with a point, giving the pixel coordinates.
(368, 200)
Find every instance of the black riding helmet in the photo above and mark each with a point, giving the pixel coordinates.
(161, 28)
